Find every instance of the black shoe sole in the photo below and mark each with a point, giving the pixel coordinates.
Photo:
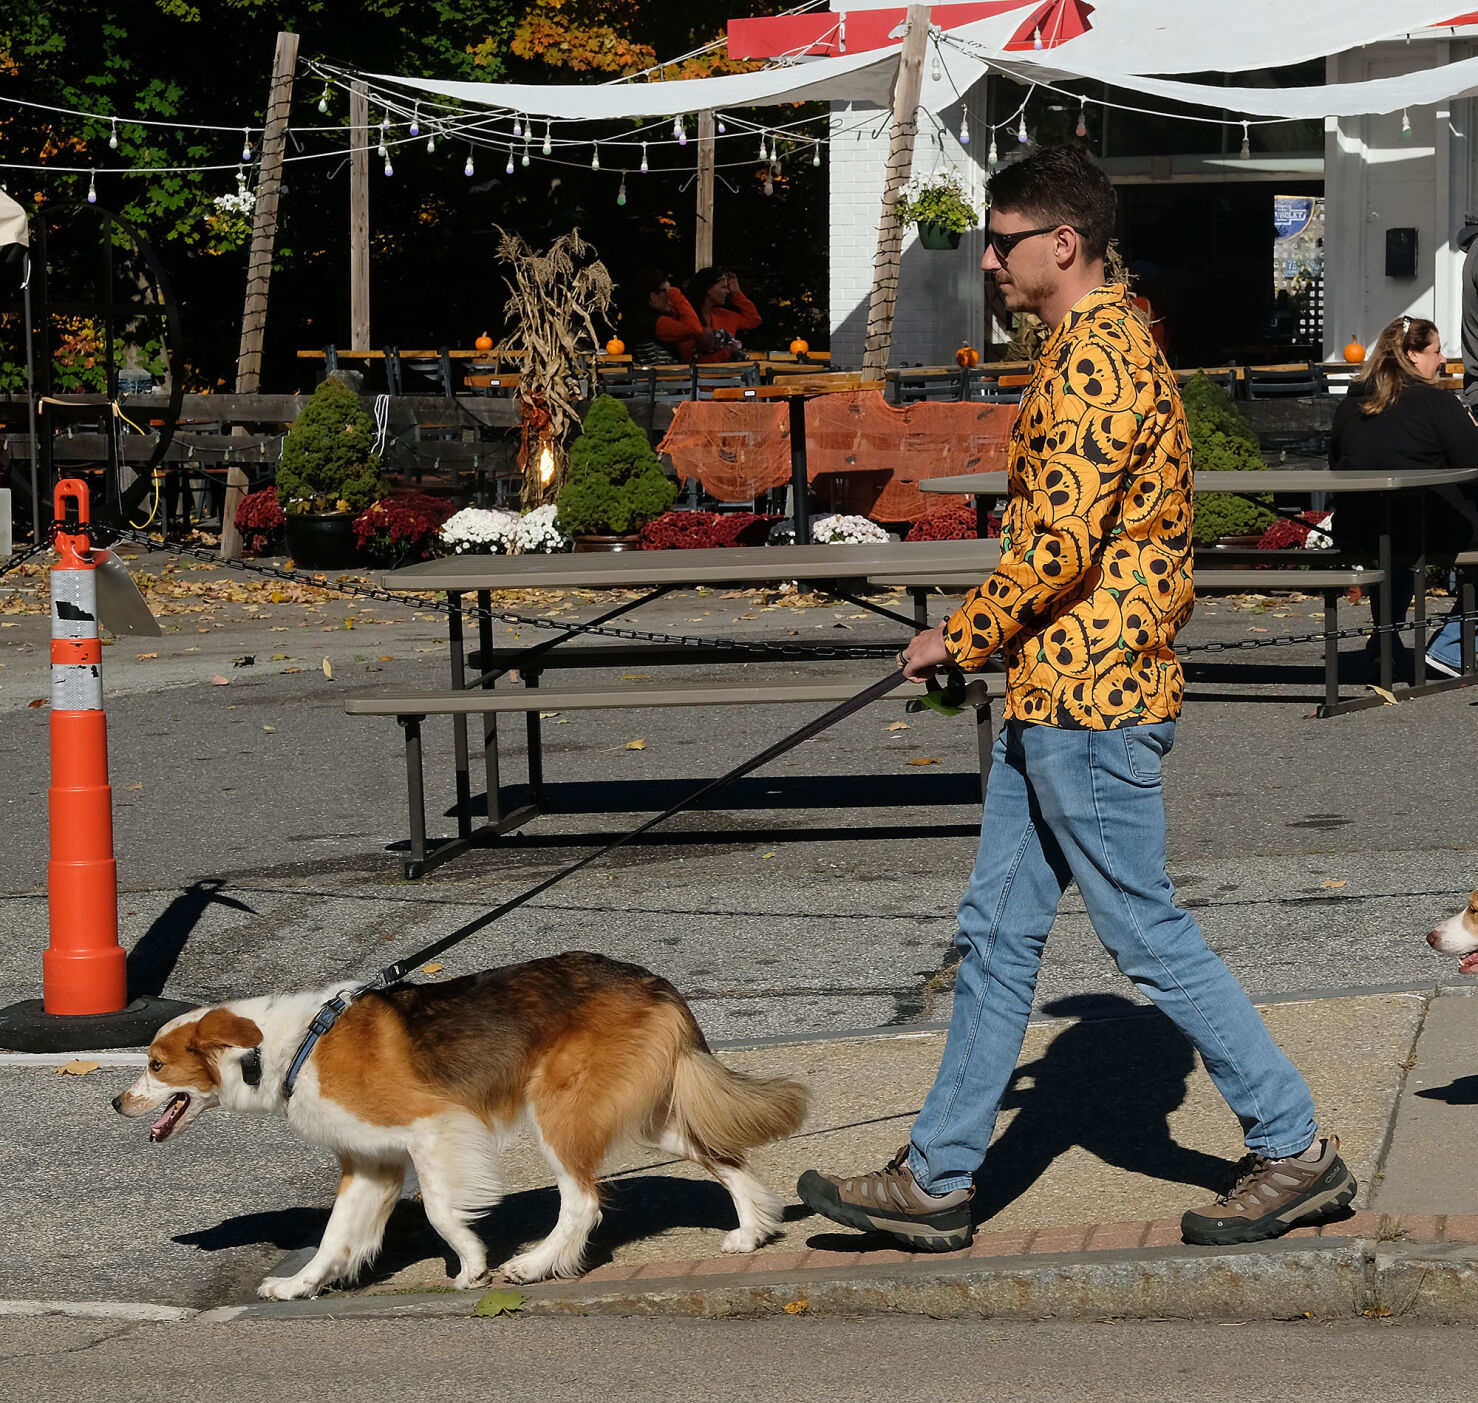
(945, 1231)
(1331, 1193)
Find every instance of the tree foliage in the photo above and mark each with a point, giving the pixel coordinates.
(1222, 440)
(328, 459)
(614, 483)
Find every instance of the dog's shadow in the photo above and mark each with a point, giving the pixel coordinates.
(636, 1206)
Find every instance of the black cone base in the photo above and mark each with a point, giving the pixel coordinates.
(27, 1027)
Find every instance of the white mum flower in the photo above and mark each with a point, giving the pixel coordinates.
(847, 531)
(538, 533)
(479, 531)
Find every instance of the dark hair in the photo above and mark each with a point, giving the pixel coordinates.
(702, 280)
(1388, 374)
(1059, 185)
(637, 317)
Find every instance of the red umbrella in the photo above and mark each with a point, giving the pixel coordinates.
(1052, 24)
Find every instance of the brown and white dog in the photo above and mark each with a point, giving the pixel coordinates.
(589, 1052)
(1459, 936)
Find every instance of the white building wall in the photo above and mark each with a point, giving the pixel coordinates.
(1375, 180)
(941, 295)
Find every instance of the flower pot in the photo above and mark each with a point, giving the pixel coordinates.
(938, 236)
(606, 543)
(322, 542)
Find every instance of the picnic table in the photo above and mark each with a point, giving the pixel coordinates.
(986, 488)
(839, 570)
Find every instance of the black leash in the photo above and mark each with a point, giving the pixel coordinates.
(328, 1014)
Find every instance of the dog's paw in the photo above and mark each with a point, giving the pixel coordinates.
(466, 1281)
(285, 1288)
(525, 1269)
(743, 1240)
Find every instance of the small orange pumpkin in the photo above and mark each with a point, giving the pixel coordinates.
(967, 356)
(1354, 352)
(484, 342)
(799, 347)
(615, 347)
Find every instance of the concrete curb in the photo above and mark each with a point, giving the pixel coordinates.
(1328, 1279)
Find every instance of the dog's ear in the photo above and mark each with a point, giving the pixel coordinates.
(222, 1028)
(1473, 903)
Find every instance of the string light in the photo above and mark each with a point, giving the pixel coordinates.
(644, 166)
(722, 127)
(769, 184)
(964, 125)
(508, 167)
(246, 143)
(1405, 127)
(469, 170)
(1083, 117)
(764, 150)
(621, 193)
(1037, 37)
(240, 181)
(323, 101)
(1021, 135)
(113, 135)
(92, 188)
(595, 157)
(389, 169)
(517, 126)
(384, 151)
(1246, 152)
(430, 143)
(936, 73)
(679, 131)
(816, 154)
(992, 156)
(416, 121)
(524, 159)
(548, 147)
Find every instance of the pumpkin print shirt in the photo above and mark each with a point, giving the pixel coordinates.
(1095, 571)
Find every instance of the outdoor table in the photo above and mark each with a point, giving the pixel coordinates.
(838, 569)
(987, 487)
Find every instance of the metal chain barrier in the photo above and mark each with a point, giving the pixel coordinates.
(832, 652)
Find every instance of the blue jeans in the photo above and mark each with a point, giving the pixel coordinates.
(1067, 805)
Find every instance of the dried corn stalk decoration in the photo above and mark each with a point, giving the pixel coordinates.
(555, 299)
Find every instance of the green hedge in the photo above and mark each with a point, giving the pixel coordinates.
(1222, 441)
(614, 484)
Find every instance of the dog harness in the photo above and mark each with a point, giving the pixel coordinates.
(323, 1020)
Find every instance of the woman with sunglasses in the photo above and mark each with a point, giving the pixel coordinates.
(1396, 417)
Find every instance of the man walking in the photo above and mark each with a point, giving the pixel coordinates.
(1093, 583)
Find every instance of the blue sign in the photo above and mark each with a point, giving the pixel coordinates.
(1292, 213)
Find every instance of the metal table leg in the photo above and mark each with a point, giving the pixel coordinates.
(1383, 611)
(489, 719)
(1331, 647)
(800, 484)
(415, 864)
(1466, 606)
(459, 722)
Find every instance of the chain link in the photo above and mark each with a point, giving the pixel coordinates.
(636, 635)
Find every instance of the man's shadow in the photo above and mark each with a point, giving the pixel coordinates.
(1108, 1082)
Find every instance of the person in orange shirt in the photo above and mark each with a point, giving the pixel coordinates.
(724, 313)
(659, 320)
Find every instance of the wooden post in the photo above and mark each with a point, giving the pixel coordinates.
(359, 281)
(885, 262)
(259, 267)
(703, 243)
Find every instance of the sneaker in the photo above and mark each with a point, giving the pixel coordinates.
(1270, 1196)
(1445, 651)
(890, 1200)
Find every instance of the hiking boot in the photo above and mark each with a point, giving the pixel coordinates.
(889, 1200)
(1270, 1196)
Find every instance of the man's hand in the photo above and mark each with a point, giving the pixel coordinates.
(924, 656)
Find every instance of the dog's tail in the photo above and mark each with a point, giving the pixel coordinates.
(723, 1113)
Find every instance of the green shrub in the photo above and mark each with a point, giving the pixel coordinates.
(328, 463)
(940, 200)
(614, 484)
(1222, 441)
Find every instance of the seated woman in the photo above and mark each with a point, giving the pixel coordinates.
(724, 313)
(1396, 417)
(658, 321)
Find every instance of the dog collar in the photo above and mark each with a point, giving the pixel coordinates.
(323, 1020)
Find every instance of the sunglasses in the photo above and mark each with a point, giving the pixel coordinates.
(1004, 243)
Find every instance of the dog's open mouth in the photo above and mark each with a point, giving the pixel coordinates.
(165, 1126)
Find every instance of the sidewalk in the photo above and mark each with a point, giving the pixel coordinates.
(1110, 1134)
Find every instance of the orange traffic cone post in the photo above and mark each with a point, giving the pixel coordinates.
(84, 971)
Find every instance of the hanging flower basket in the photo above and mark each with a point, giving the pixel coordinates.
(938, 236)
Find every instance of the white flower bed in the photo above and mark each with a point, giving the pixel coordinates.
(1319, 537)
(538, 533)
(847, 531)
(479, 531)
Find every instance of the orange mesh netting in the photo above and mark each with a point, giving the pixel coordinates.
(735, 449)
(866, 456)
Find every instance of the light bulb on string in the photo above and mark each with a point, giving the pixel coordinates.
(548, 147)
(92, 188)
(679, 131)
(764, 149)
(246, 143)
(964, 126)
(936, 73)
(469, 170)
(517, 126)
(1037, 37)
(416, 121)
(816, 155)
(389, 169)
(524, 159)
(1021, 135)
(113, 135)
(1405, 126)
(240, 181)
(323, 101)
(992, 156)
(430, 143)
(509, 167)
(621, 193)
(722, 127)
(769, 185)
(1246, 152)
(644, 166)
(595, 157)
(384, 151)
(1083, 117)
